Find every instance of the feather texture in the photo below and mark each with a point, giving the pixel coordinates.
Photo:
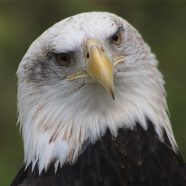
(134, 158)
(57, 116)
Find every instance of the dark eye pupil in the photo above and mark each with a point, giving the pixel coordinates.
(115, 38)
(63, 59)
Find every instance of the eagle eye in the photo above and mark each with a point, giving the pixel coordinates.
(117, 37)
(63, 59)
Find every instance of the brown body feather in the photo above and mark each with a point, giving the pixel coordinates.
(134, 158)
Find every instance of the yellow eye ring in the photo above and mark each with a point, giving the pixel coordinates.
(117, 38)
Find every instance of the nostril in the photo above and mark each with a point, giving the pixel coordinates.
(87, 55)
(102, 49)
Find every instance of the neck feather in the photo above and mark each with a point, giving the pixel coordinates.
(56, 131)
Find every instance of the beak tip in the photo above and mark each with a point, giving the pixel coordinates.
(112, 94)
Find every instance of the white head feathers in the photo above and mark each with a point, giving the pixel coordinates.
(58, 116)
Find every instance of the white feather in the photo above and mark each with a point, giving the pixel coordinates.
(57, 119)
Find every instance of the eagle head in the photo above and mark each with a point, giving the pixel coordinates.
(86, 74)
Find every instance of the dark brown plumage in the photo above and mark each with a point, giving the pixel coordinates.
(134, 157)
(66, 82)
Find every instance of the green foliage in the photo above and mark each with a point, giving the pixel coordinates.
(162, 25)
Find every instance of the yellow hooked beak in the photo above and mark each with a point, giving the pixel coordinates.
(99, 67)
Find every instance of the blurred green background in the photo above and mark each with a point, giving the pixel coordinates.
(162, 24)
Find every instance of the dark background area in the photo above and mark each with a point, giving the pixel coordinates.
(162, 24)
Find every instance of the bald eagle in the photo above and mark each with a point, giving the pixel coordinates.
(92, 108)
